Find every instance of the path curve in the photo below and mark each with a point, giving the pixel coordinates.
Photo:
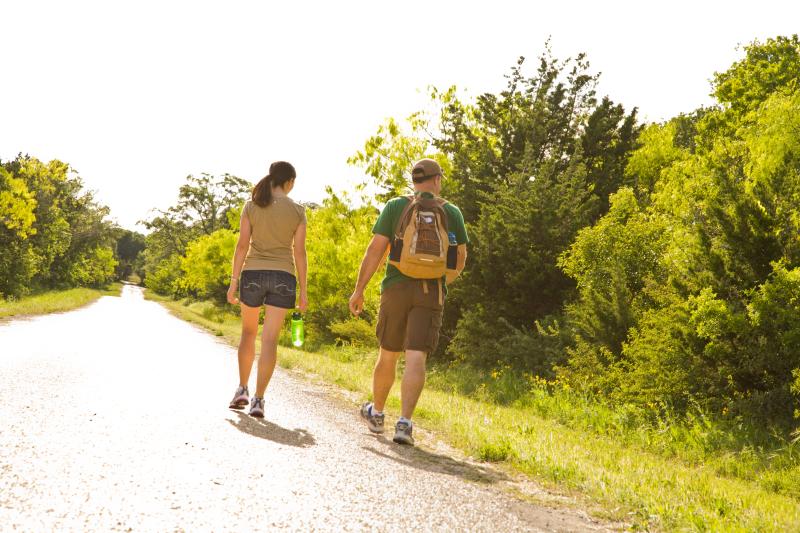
(114, 418)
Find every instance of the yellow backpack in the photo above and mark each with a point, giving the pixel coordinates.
(421, 246)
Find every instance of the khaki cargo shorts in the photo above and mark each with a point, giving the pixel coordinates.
(410, 316)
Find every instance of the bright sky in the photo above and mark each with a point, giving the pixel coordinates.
(137, 95)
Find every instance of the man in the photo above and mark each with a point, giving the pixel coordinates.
(411, 309)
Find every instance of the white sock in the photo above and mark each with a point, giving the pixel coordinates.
(373, 411)
(404, 419)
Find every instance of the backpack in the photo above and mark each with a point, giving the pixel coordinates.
(421, 247)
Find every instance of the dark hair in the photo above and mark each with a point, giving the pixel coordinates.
(279, 173)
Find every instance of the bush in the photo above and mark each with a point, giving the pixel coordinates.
(207, 265)
(355, 331)
(487, 345)
(338, 235)
(94, 268)
(164, 279)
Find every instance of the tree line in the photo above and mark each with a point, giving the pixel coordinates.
(656, 265)
(53, 234)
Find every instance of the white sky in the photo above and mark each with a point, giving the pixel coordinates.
(137, 95)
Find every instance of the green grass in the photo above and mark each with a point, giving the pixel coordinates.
(662, 474)
(55, 301)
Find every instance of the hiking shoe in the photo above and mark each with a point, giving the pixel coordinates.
(240, 398)
(402, 433)
(257, 407)
(374, 422)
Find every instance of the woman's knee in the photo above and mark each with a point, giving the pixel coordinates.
(268, 339)
(249, 332)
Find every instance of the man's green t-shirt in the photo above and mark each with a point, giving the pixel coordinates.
(388, 219)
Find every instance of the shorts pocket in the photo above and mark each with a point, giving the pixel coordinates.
(433, 331)
(250, 281)
(285, 285)
(380, 327)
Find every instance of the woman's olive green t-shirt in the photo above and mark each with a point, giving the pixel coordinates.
(272, 234)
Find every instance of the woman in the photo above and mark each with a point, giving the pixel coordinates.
(272, 243)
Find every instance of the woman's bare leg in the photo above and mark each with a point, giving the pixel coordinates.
(247, 343)
(273, 322)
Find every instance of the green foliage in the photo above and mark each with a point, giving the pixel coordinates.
(389, 155)
(611, 263)
(206, 206)
(164, 279)
(766, 68)
(17, 205)
(338, 235)
(129, 246)
(206, 268)
(93, 268)
(355, 332)
(531, 166)
(689, 295)
(52, 232)
(658, 151)
(199, 265)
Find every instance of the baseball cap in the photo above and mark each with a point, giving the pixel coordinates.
(425, 169)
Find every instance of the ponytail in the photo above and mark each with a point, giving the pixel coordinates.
(279, 173)
(262, 192)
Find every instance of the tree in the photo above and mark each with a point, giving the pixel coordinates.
(17, 218)
(389, 155)
(129, 246)
(687, 287)
(205, 205)
(531, 166)
(204, 201)
(55, 232)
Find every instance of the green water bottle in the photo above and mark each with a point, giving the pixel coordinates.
(298, 333)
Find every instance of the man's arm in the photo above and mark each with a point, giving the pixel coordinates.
(376, 251)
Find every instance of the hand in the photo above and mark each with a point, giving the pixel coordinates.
(357, 302)
(302, 305)
(232, 293)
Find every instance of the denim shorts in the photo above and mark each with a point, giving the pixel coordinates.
(267, 287)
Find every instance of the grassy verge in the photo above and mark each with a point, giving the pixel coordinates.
(55, 301)
(651, 476)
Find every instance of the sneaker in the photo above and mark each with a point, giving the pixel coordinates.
(240, 398)
(402, 433)
(257, 407)
(374, 422)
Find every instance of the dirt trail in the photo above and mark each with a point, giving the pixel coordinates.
(114, 417)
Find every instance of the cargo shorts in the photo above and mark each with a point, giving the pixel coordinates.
(410, 316)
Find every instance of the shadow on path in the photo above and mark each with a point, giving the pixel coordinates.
(437, 463)
(264, 429)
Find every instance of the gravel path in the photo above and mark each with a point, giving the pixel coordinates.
(114, 418)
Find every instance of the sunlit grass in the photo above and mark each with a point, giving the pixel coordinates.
(55, 301)
(662, 474)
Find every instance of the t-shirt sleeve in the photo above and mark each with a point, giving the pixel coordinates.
(384, 225)
(459, 228)
(248, 205)
(301, 210)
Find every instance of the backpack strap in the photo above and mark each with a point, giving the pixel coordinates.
(402, 222)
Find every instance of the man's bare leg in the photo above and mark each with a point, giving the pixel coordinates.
(413, 382)
(383, 378)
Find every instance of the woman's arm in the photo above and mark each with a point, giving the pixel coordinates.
(301, 263)
(239, 254)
